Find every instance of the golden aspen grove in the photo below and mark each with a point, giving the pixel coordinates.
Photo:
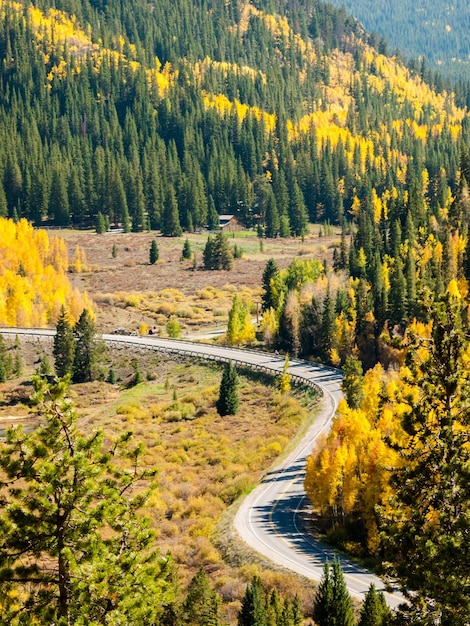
(33, 277)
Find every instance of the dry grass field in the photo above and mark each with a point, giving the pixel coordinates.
(128, 291)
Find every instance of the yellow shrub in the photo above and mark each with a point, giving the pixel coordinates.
(171, 294)
(184, 312)
(165, 308)
(132, 300)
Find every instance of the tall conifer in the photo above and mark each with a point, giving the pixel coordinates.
(227, 403)
(86, 348)
(64, 345)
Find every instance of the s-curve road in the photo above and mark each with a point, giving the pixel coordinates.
(273, 518)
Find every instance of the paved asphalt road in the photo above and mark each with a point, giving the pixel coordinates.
(274, 518)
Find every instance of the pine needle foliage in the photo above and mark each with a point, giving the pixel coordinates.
(227, 403)
(64, 345)
(74, 548)
(332, 604)
(426, 532)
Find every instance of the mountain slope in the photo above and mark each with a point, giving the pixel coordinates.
(138, 114)
(435, 30)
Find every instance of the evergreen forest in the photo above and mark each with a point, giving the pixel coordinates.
(160, 116)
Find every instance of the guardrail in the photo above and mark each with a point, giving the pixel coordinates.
(185, 348)
(188, 352)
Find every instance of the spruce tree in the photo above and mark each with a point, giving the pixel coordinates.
(252, 612)
(213, 222)
(223, 255)
(268, 296)
(64, 345)
(58, 199)
(327, 326)
(153, 253)
(227, 403)
(353, 382)
(217, 253)
(343, 609)
(374, 611)
(74, 547)
(6, 364)
(186, 253)
(427, 527)
(323, 602)
(272, 221)
(201, 607)
(170, 221)
(332, 605)
(208, 254)
(100, 224)
(297, 211)
(86, 349)
(284, 226)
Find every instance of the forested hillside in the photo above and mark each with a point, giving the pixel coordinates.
(160, 115)
(436, 30)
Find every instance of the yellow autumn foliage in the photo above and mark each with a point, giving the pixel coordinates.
(33, 277)
(54, 28)
(348, 472)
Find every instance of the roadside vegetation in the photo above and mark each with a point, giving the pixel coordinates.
(204, 462)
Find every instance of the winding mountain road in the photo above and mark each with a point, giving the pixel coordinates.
(274, 518)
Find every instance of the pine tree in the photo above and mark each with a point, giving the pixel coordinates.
(64, 345)
(353, 382)
(170, 220)
(186, 253)
(332, 605)
(74, 547)
(268, 298)
(426, 532)
(252, 612)
(86, 349)
(153, 253)
(374, 611)
(201, 607)
(323, 602)
(227, 403)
